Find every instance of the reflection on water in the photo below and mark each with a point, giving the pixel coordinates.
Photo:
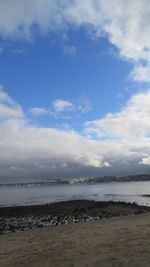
(123, 191)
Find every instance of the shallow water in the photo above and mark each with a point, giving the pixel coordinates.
(41, 194)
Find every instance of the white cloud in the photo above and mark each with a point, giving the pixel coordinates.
(130, 127)
(8, 107)
(38, 111)
(126, 23)
(61, 105)
(90, 131)
(131, 123)
(43, 151)
(17, 18)
(84, 106)
(70, 50)
(26, 150)
(145, 161)
(141, 73)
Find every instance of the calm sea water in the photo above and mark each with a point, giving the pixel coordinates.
(41, 194)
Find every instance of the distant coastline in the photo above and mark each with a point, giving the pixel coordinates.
(109, 178)
(92, 180)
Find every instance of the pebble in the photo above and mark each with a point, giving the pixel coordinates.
(14, 224)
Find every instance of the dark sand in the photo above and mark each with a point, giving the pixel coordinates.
(110, 242)
(14, 219)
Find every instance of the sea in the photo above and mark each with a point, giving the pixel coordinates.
(42, 193)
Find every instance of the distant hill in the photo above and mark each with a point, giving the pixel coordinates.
(127, 178)
(92, 180)
(102, 179)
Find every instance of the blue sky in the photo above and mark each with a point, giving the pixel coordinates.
(74, 94)
(47, 69)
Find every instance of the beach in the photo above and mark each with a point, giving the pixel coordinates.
(121, 240)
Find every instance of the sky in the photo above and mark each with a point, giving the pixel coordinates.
(74, 88)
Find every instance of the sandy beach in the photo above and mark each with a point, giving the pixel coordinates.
(110, 242)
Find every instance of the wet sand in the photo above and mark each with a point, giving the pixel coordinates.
(110, 242)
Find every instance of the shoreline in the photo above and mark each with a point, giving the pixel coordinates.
(22, 218)
(120, 241)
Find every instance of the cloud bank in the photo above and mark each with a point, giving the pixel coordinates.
(122, 141)
(29, 151)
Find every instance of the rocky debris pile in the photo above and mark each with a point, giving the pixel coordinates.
(13, 224)
(23, 218)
